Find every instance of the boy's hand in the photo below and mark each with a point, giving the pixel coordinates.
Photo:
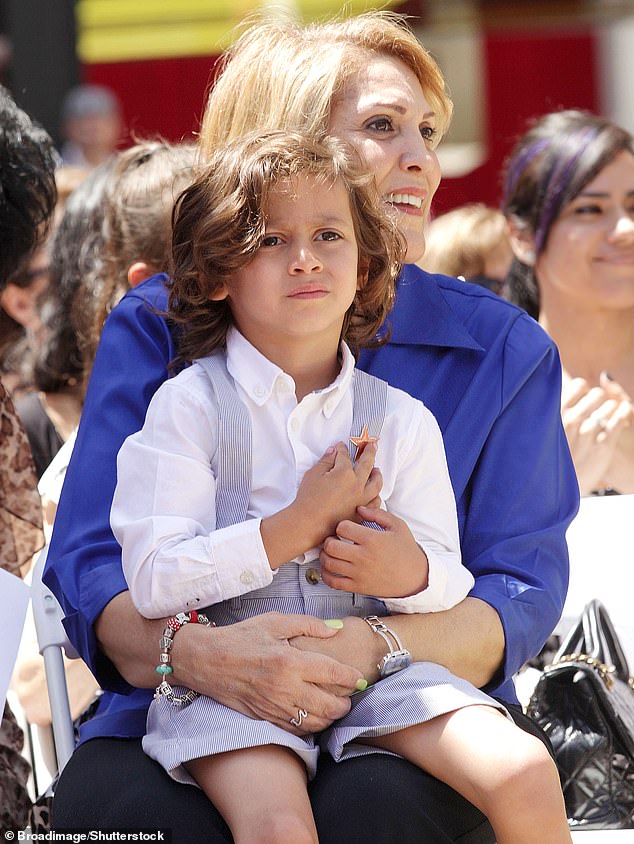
(333, 489)
(387, 563)
(329, 493)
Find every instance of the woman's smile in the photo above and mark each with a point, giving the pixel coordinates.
(407, 200)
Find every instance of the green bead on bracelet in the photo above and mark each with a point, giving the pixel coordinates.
(164, 669)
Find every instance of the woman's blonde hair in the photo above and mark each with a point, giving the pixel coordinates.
(282, 75)
(219, 222)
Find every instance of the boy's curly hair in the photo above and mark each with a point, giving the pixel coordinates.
(219, 222)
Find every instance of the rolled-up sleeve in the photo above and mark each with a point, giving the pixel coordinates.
(522, 500)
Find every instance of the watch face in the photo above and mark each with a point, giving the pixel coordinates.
(395, 662)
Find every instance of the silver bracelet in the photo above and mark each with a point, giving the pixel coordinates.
(397, 658)
(164, 667)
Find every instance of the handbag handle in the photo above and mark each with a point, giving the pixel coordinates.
(594, 634)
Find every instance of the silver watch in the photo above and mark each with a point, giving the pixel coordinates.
(397, 658)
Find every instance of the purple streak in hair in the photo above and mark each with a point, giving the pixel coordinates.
(519, 164)
(557, 181)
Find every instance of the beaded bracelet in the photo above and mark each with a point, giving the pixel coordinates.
(174, 624)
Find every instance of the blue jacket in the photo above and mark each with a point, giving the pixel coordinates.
(485, 369)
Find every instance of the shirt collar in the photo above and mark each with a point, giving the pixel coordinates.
(423, 316)
(257, 376)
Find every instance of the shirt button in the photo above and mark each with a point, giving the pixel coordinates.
(259, 391)
(312, 576)
(247, 578)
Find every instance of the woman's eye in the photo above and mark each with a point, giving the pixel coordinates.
(586, 210)
(428, 133)
(271, 240)
(328, 236)
(380, 124)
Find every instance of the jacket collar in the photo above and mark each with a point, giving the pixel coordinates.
(423, 316)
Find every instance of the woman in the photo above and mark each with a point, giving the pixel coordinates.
(27, 200)
(569, 198)
(478, 363)
(20, 323)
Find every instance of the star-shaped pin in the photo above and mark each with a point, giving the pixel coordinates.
(362, 441)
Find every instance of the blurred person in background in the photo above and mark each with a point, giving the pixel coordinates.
(20, 322)
(21, 329)
(27, 200)
(48, 396)
(569, 200)
(470, 242)
(114, 234)
(91, 125)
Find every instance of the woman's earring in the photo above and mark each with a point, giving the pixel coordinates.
(529, 256)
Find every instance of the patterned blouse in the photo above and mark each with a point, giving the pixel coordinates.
(20, 537)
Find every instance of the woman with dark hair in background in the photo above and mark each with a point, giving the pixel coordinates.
(27, 200)
(54, 365)
(569, 199)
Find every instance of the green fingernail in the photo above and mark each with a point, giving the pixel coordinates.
(335, 623)
(361, 685)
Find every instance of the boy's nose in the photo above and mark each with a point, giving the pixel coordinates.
(304, 261)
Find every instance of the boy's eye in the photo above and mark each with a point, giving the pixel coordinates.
(328, 235)
(271, 240)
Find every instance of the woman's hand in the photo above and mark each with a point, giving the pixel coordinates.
(620, 475)
(467, 639)
(594, 419)
(355, 644)
(250, 666)
(358, 558)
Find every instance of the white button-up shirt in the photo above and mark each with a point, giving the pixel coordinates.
(163, 511)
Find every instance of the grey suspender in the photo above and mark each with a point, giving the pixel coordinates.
(233, 481)
(369, 395)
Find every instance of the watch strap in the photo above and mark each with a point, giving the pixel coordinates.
(394, 644)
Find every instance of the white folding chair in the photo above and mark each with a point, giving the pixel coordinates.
(53, 643)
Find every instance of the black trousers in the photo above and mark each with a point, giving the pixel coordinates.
(110, 783)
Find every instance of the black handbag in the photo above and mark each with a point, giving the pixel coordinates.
(584, 702)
